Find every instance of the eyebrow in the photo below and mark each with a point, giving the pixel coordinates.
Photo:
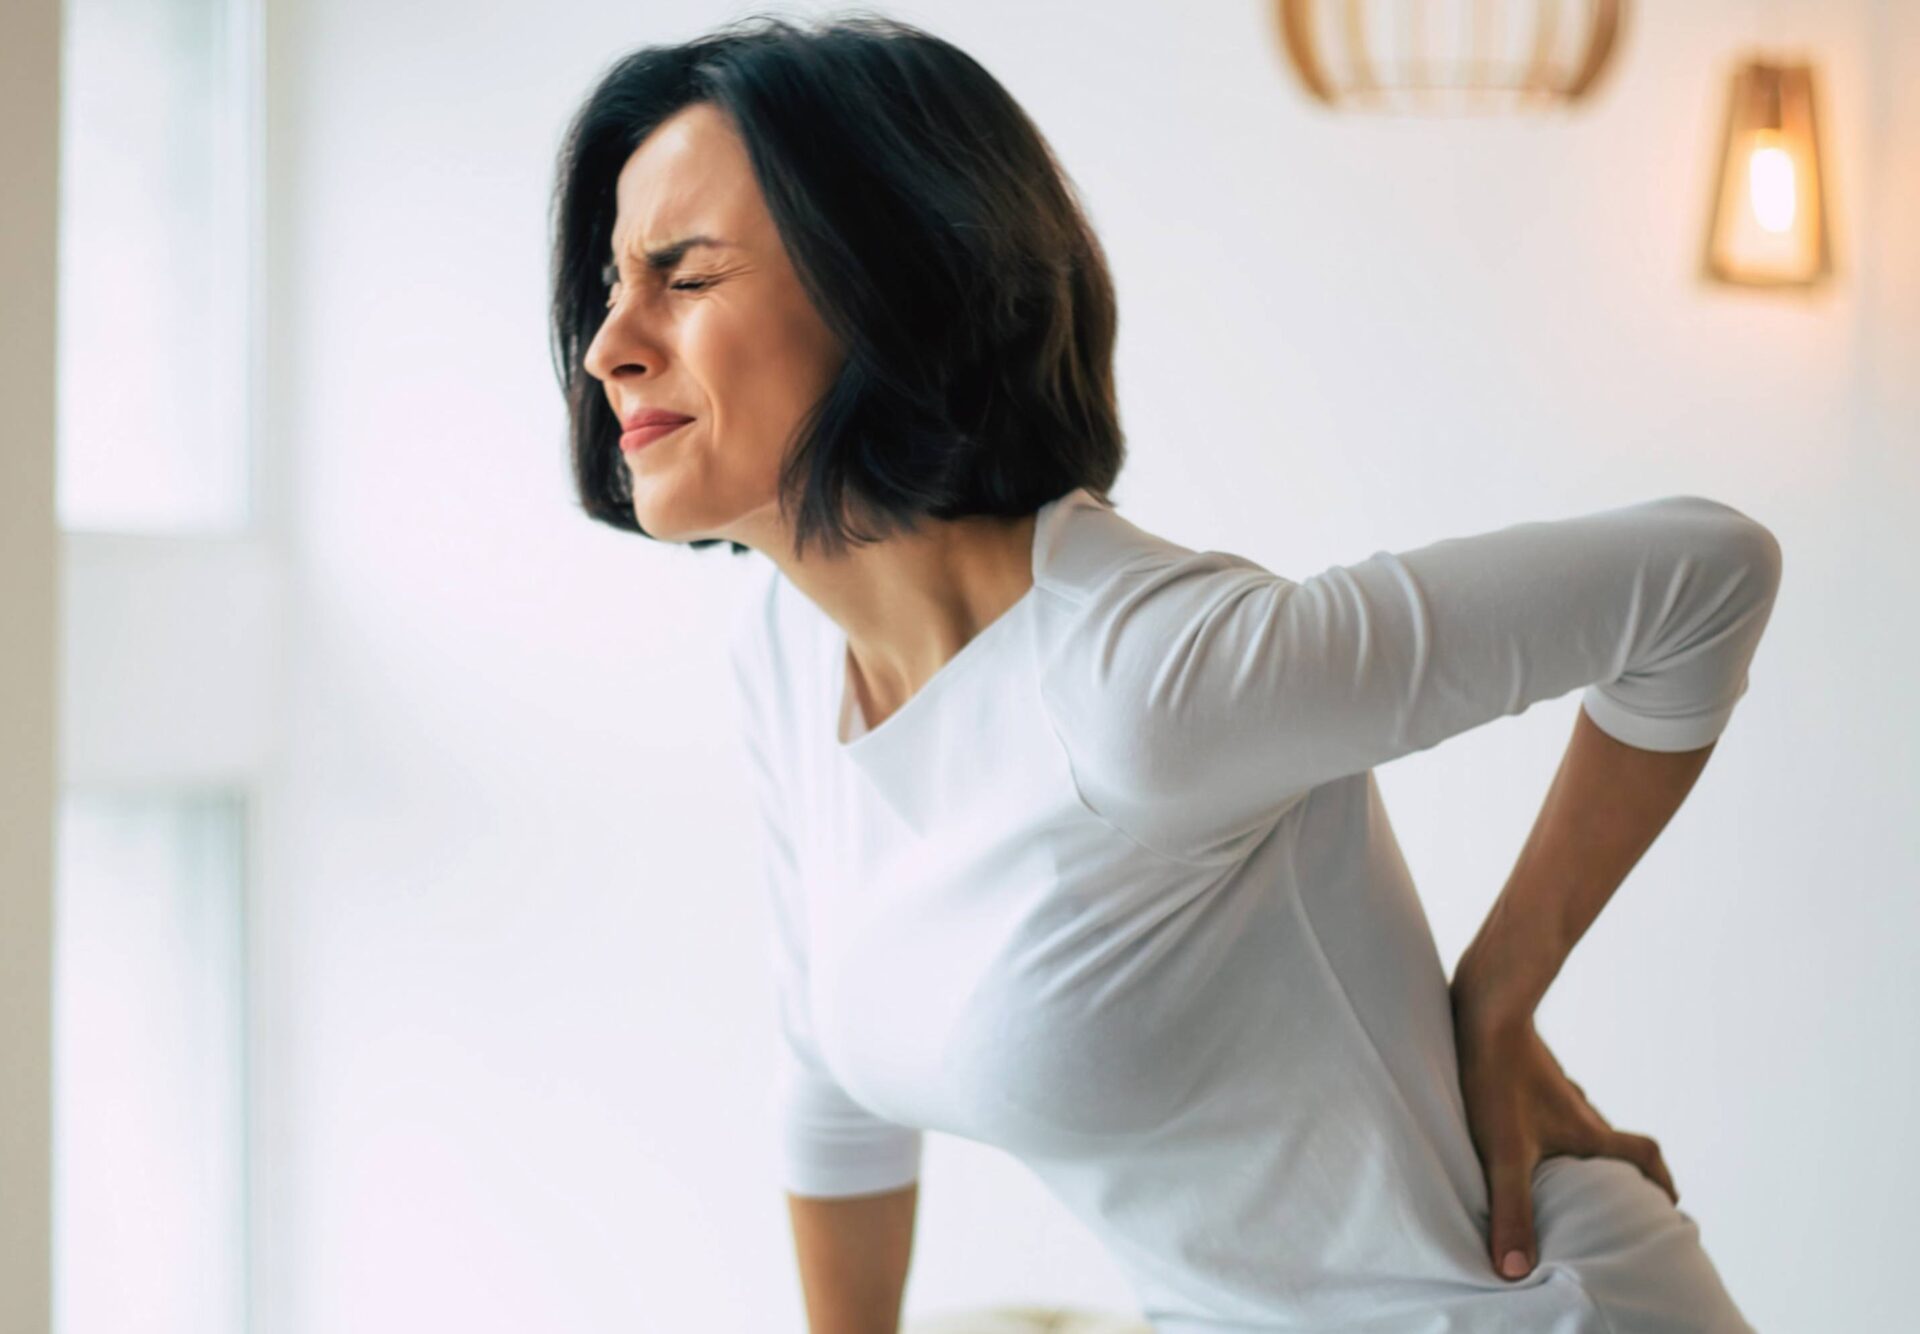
(666, 256)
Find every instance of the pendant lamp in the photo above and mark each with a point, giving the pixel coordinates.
(1768, 225)
(1448, 55)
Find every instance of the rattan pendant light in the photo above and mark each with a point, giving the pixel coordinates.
(1448, 55)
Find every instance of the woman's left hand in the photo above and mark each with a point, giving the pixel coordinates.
(1521, 1107)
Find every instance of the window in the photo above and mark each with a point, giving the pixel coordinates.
(153, 394)
(149, 1076)
(169, 705)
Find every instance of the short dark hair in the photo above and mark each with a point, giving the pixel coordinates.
(933, 229)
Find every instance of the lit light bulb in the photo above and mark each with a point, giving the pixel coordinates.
(1770, 183)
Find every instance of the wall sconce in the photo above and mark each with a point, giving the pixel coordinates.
(1768, 226)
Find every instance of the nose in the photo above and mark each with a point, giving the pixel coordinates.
(619, 348)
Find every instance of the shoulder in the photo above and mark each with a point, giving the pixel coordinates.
(753, 617)
(766, 638)
(1110, 575)
(1126, 603)
(1089, 548)
(1141, 645)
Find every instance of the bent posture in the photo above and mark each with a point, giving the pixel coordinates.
(1072, 839)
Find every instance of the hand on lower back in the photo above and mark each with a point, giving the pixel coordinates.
(1522, 1107)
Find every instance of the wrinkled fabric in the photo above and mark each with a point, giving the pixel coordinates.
(1115, 892)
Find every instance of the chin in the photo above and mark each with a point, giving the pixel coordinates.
(663, 524)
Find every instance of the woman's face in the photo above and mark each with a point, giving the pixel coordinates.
(722, 333)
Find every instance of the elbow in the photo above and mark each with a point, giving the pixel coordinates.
(1759, 552)
(1750, 545)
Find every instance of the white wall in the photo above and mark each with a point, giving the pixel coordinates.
(519, 1016)
(29, 599)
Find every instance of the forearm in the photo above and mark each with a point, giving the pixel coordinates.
(854, 1254)
(1605, 806)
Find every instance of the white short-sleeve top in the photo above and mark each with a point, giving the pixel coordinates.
(1115, 892)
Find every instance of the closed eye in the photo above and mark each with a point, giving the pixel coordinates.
(610, 277)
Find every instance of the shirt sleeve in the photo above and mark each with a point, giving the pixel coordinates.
(1214, 693)
(829, 1144)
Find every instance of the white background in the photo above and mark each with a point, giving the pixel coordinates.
(513, 1015)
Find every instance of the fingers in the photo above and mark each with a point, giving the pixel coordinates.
(1644, 1153)
(1510, 1192)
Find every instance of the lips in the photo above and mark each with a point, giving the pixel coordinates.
(652, 417)
(646, 435)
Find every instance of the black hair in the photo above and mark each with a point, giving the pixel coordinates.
(934, 231)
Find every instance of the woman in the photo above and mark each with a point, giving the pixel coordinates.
(1072, 841)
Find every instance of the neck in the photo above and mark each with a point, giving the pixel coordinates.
(910, 601)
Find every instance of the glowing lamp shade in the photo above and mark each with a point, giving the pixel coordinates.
(1769, 223)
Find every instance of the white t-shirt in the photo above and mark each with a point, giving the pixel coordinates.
(1115, 892)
